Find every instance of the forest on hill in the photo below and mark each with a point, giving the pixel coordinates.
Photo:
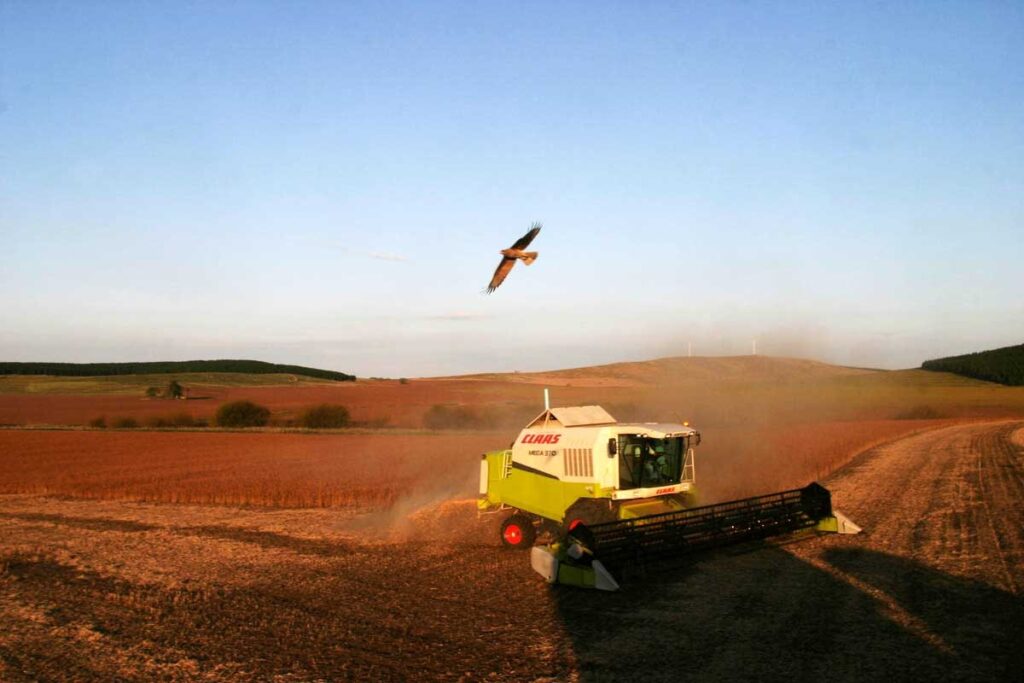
(1005, 365)
(255, 367)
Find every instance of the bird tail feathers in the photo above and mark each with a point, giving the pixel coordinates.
(529, 257)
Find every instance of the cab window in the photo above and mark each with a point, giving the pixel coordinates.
(645, 462)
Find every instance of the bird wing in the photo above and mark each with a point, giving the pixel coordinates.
(525, 240)
(501, 273)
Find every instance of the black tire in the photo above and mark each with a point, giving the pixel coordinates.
(588, 511)
(517, 532)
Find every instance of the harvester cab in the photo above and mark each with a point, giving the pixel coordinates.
(614, 496)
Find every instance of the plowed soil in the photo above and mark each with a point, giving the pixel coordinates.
(932, 590)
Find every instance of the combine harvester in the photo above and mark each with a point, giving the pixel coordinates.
(619, 496)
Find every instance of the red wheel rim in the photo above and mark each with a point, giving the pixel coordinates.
(512, 534)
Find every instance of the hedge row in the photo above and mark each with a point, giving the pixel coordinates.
(237, 414)
(255, 367)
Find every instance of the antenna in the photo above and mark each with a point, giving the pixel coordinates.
(547, 400)
(755, 347)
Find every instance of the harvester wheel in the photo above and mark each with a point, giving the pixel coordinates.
(588, 511)
(517, 532)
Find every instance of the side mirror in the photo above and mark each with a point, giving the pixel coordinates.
(696, 439)
(613, 448)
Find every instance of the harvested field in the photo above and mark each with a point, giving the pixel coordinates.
(103, 590)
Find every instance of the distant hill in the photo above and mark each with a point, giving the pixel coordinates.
(674, 370)
(1005, 365)
(254, 367)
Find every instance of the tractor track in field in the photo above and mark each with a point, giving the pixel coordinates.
(932, 590)
(1004, 480)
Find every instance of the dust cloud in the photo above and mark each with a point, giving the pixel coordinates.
(439, 506)
(767, 423)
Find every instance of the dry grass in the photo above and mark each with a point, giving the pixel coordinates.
(675, 369)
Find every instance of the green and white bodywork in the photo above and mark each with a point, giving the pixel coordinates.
(612, 493)
(578, 464)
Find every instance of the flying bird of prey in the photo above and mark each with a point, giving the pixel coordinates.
(512, 254)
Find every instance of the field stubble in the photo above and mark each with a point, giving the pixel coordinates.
(112, 590)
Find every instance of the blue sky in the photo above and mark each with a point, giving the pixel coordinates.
(329, 183)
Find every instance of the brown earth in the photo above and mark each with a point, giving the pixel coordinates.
(377, 469)
(105, 590)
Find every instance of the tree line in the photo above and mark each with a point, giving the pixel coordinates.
(256, 367)
(1005, 365)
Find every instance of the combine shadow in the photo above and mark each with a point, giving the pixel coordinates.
(263, 539)
(271, 540)
(768, 615)
(982, 625)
